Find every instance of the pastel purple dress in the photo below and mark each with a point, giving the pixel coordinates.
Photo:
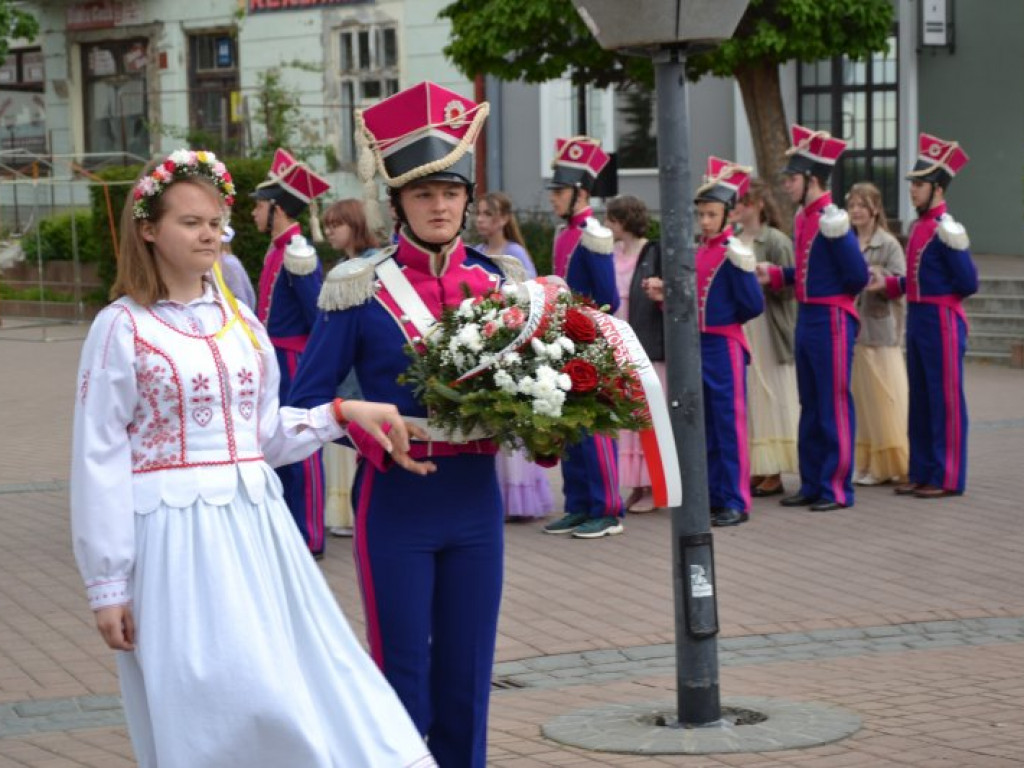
(525, 489)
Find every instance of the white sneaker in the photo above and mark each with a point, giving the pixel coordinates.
(867, 479)
(344, 531)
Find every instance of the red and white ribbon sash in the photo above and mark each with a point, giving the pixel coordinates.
(658, 440)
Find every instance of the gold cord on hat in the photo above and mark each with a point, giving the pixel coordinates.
(805, 142)
(940, 162)
(367, 142)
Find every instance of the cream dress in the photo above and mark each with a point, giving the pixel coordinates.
(242, 656)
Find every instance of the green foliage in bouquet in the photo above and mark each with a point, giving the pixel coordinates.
(536, 380)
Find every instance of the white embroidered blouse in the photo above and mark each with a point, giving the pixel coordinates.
(174, 404)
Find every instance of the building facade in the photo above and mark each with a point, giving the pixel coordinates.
(110, 80)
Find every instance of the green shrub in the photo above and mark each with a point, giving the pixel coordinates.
(35, 293)
(54, 239)
(538, 230)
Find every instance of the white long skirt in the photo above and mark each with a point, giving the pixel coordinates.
(243, 657)
(772, 405)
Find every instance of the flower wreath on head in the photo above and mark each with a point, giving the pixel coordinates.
(181, 164)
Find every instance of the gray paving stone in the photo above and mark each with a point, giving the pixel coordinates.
(44, 707)
(650, 651)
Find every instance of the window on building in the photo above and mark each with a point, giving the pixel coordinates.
(635, 135)
(116, 117)
(23, 113)
(213, 84)
(368, 70)
(857, 101)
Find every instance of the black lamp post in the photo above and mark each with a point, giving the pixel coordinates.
(666, 31)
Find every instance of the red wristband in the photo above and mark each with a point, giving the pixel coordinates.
(336, 410)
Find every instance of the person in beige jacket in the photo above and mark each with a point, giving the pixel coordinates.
(879, 380)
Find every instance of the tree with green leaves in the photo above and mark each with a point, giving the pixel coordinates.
(538, 40)
(16, 24)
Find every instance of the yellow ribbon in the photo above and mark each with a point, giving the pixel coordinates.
(236, 316)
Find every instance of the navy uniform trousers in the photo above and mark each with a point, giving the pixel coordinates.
(723, 371)
(418, 538)
(303, 481)
(936, 342)
(590, 475)
(824, 354)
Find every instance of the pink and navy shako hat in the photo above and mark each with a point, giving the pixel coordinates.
(813, 152)
(425, 132)
(578, 162)
(291, 184)
(938, 161)
(724, 182)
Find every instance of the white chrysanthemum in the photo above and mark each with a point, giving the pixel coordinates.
(470, 338)
(554, 351)
(466, 308)
(505, 382)
(526, 385)
(549, 404)
(490, 314)
(180, 157)
(539, 347)
(547, 375)
(512, 358)
(567, 344)
(564, 382)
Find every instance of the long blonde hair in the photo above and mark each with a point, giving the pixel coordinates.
(871, 196)
(502, 206)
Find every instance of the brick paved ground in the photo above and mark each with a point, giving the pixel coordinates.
(808, 605)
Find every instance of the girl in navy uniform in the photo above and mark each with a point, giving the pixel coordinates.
(429, 552)
(583, 258)
(728, 295)
(286, 304)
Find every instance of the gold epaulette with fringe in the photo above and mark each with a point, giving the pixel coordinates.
(511, 267)
(352, 282)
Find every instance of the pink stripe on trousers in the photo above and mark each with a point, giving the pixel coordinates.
(840, 396)
(365, 571)
(739, 405)
(951, 380)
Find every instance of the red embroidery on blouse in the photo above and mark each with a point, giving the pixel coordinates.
(246, 393)
(83, 388)
(157, 417)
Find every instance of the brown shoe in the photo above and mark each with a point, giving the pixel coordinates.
(932, 492)
(770, 486)
(906, 489)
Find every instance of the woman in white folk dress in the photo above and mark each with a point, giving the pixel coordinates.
(232, 650)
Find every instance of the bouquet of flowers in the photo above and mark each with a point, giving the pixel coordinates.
(531, 366)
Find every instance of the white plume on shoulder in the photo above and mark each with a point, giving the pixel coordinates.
(597, 238)
(740, 255)
(834, 222)
(953, 234)
(300, 257)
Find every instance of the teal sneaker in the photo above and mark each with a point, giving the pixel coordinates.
(567, 523)
(596, 527)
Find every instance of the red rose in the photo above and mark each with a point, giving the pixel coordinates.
(579, 327)
(582, 374)
(169, 165)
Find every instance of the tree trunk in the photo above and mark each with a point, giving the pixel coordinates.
(762, 98)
